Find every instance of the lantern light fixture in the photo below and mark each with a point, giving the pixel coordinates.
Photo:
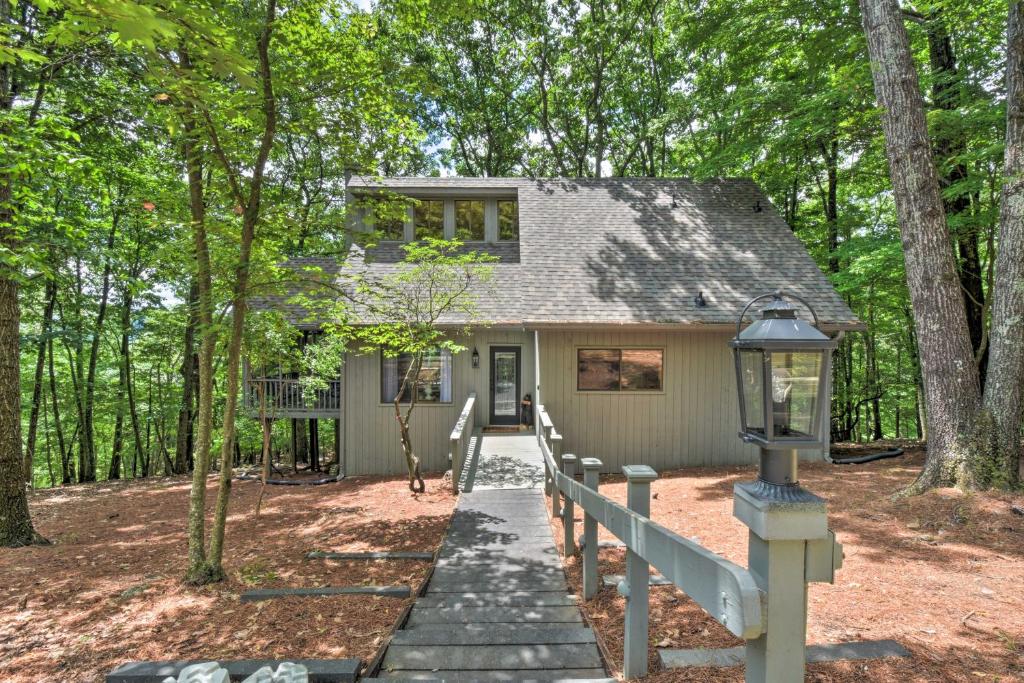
(475, 357)
(782, 368)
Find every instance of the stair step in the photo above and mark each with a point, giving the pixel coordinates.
(568, 614)
(492, 657)
(520, 599)
(505, 585)
(494, 634)
(553, 676)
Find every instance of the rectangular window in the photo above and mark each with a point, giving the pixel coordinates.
(619, 369)
(508, 221)
(391, 229)
(435, 377)
(428, 219)
(469, 220)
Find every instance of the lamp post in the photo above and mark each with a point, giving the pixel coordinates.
(782, 370)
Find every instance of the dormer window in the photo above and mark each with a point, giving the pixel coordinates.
(469, 220)
(428, 219)
(508, 220)
(469, 217)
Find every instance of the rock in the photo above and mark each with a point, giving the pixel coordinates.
(287, 672)
(204, 672)
(333, 470)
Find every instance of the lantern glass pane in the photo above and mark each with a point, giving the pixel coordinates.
(795, 379)
(752, 388)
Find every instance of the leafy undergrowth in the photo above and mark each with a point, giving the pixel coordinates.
(941, 573)
(108, 591)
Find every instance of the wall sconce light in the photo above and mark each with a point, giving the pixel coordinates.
(476, 358)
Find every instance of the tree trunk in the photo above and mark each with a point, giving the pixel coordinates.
(999, 428)
(15, 523)
(37, 382)
(197, 569)
(410, 387)
(951, 384)
(67, 476)
(87, 469)
(183, 444)
(250, 216)
(946, 96)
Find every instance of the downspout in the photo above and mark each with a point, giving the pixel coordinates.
(536, 381)
(827, 414)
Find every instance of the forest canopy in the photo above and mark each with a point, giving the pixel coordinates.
(129, 125)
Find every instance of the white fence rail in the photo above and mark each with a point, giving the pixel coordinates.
(461, 438)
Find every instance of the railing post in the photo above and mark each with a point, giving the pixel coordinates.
(591, 477)
(789, 545)
(569, 511)
(455, 451)
(636, 586)
(556, 455)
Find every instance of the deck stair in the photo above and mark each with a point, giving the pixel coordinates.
(498, 606)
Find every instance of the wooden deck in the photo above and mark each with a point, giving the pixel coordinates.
(497, 607)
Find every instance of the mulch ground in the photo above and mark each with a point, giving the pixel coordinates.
(108, 590)
(941, 573)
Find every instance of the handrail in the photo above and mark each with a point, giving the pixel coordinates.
(460, 438)
(727, 591)
(284, 394)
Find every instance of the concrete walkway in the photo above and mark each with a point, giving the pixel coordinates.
(497, 607)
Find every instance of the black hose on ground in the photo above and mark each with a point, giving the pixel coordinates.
(291, 482)
(868, 458)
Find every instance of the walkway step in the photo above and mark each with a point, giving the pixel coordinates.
(521, 599)
(554, 676)
(495, 634)
(497, 607)
(569, 614)
(492, 657)
(271, 593)
(388, 555)
(543, 585)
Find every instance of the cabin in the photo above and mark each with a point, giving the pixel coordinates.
(611, 303)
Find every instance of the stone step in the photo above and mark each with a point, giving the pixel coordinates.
(569, 614)
(522, 599)
(492, 657)
(594, 675)
(493, 634)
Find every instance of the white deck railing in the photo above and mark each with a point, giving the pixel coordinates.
(461, 438)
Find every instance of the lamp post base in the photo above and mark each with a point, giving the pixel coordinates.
(788, 541)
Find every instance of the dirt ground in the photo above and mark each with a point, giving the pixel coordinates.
(108, 590)
(942, 573)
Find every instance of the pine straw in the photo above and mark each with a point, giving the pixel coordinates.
(941, 573)
(108, 590)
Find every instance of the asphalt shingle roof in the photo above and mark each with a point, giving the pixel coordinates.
(624, 251)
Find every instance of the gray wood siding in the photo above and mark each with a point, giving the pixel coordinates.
(371, 436)
(693, 422)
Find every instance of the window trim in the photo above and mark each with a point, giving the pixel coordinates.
(390, 404)
(618, 392)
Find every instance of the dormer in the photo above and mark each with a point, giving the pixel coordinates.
(475, 215)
